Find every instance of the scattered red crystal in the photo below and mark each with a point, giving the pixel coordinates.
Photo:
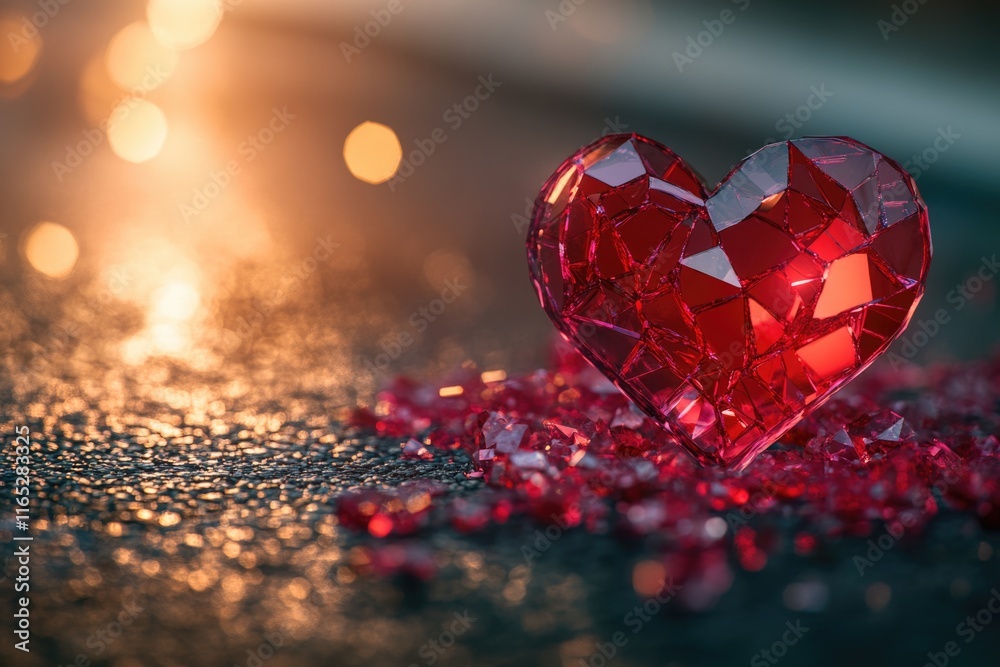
(728, 316)
(414, 449)
(401, 512)
(875, 434)
(583, 458)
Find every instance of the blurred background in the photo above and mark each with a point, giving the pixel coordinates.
(178, 180)
(222, 220)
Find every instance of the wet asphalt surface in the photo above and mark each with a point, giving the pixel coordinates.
(184, 523)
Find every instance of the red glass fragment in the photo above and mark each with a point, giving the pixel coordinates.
(728, 316)
(587, 460)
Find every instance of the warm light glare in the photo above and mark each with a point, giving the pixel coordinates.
(445, 266)
(168, 339)
(830, 354)
(19, 47)
(848, 285)
(183, 24)
(493, 376)
(51, 249)
(137, 131)
(169, 286)
(372, 152)
(175, 301)
(97, 94)
(445, 392)
(168, 330)
(648, 577)
(137, 61)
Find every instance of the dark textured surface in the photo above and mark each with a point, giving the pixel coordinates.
(217, 520)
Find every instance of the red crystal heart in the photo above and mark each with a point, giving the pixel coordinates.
(728, 316)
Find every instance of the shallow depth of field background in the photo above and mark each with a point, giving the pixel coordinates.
(219, 230)
(160, 251)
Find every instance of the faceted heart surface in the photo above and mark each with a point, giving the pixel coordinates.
(728, 316)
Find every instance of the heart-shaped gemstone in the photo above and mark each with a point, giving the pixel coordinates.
(728, 316)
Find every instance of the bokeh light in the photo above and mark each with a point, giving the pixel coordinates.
(137, 61)
(372, 152)
(20, 47)
(176, 301)
(648, 577)
(167, 339)
(51, 249)
(183, 24)
(138, 130)
(444, 265)
(97, 94)
(172, 306)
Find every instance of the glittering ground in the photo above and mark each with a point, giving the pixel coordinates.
(195, 519)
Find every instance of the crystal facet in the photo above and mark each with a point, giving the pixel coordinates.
(728, 316)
